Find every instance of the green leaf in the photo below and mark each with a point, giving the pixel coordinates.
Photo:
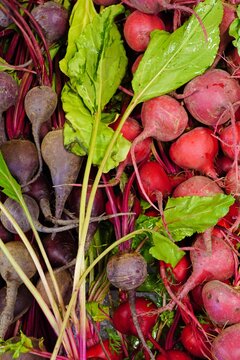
(234, 30)
(99, 64)
(16, 348)
(97, 311)
(82, 14)
(164, 249)
(78, 130)
(10, 186)
(171, 60)
(187, 215)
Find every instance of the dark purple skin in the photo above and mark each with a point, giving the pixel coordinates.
(22, 159)
(4, 20)
(53, 19)
(61, 249)
(8, 91)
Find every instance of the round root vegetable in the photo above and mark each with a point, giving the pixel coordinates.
(221, 302)
(153, 179)
(215, 265)
(127, 271)
(37, 344)
(64, 281)
(53, 19)
(163, 118)
(104, 351)
(64, 167)
(138, 27)
(194, 341)
(210, 96)
(8, 93)
(40, 103)
(61, 249)
(196, 150)
(18, 214)
(197, 186)
(21, 157)
(226, 345)
(23, 301)
(181, 270)
(12, 279)
(230, 140)
(232, 182)
(146, 6)
(173, 355)
(147, 316)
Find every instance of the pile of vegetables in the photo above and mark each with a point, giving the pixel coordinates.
(120, 179)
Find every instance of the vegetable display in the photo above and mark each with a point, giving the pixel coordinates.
(119, 179)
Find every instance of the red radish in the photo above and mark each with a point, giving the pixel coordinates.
(194, 341)
(217, 265)
(232, 182)
(230, 140)
(163, 118)
(136, 63)
(210, 96)
(196, 150)
(64, 167)
(223, 165)
(138, 27)
(177, 179)
(20, 253)
(173, 355)
(97, 351)
(146, 313)
(221, 302)
(53, 19)
(197, 186)
(130, 129)
(153, 179)
(40, 103)
(226, 345)
(21, 157)
(181, 270)
(228, 220)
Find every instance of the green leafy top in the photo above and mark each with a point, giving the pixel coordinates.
(10, 186)
(16, 348)
(99, 63)
(171, 60)
(234, 30)
(183, 217)
(82, 14)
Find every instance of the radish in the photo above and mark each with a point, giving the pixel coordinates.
(18, 214)
(197, 186)
(40, 103)
(13, 281)
(217, 265)
(146, 313)
(64, 167)
(194, 341)
(226, 345)
(230, 141)
(210, 96)
(163, 118)
(21, 157)
(53, 19)
(104, 351)
(221, 302)
(153, 179)
(127, 271)
(138, 27)
(173, 355)
(196, 150)
(181, 270)
(232, 182)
